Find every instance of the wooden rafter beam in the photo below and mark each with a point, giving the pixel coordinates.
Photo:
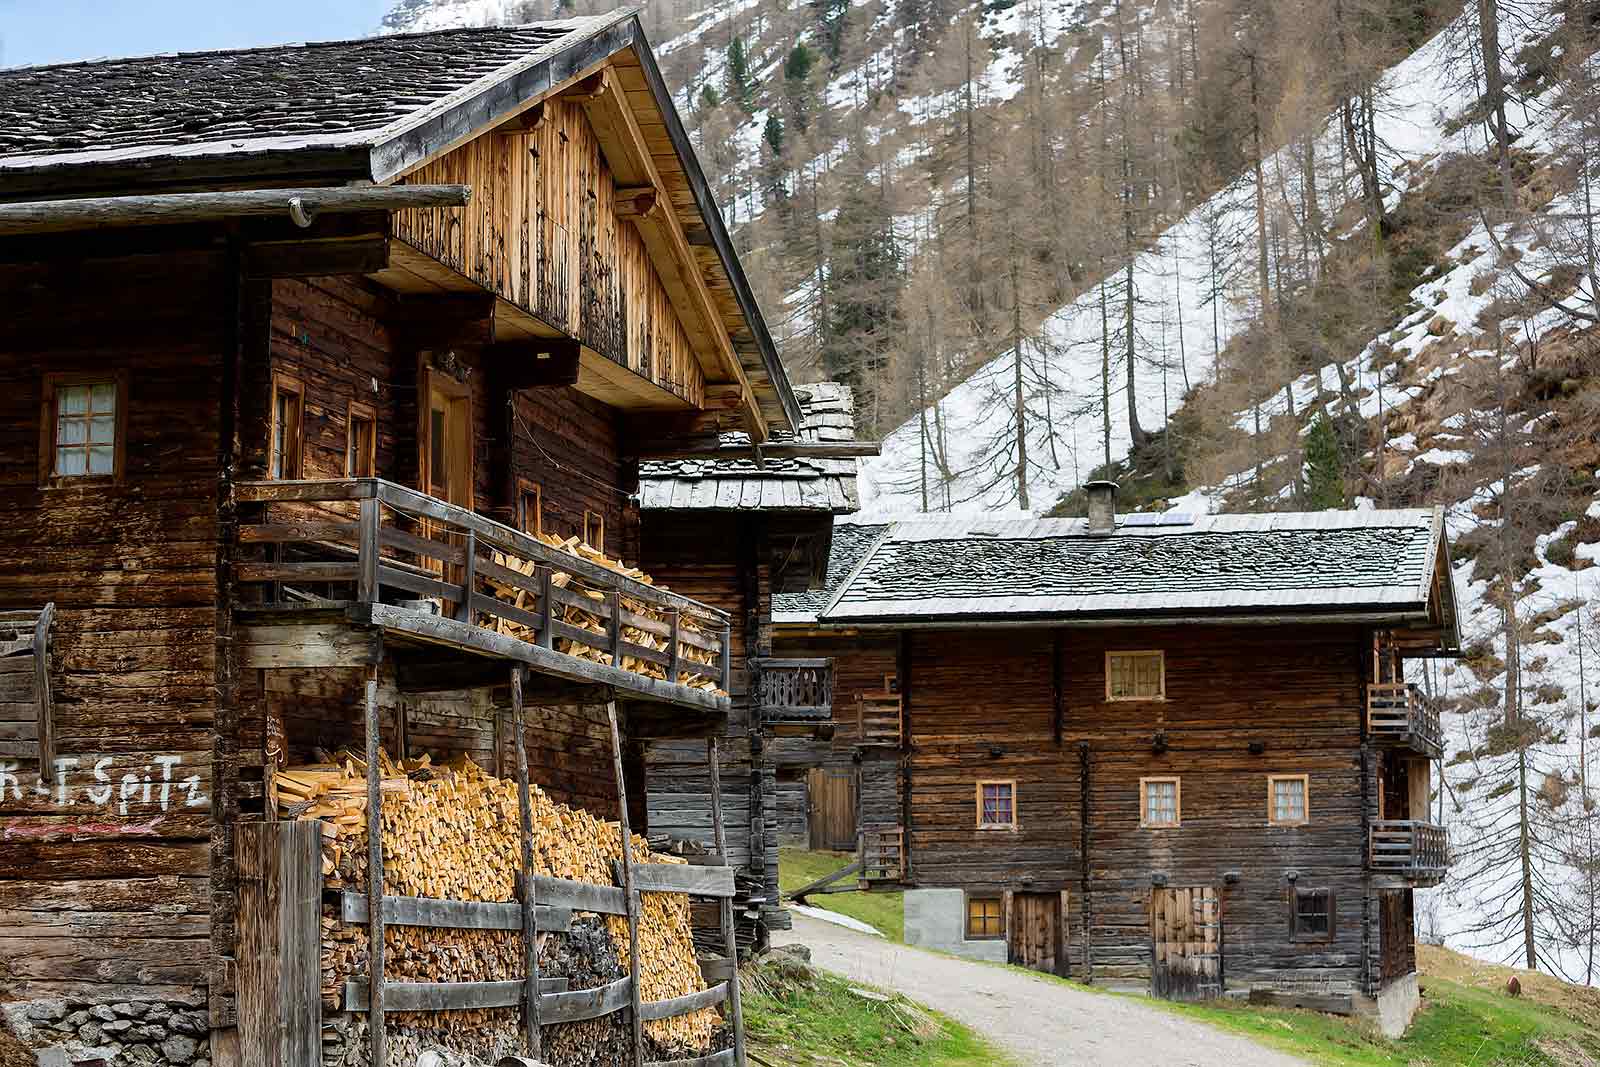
(642, 199)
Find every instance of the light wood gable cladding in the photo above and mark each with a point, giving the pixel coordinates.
(543, 234)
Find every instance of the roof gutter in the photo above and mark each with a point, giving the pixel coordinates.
(1086, 622)
(300, 205)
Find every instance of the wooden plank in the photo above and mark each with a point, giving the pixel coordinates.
(294, 572)
(583, 1004)
(526, 884)
(726, 1058)
(280, 932)
(446, 996)
(625, 836)
(725, 905)
(41, 685)
(453, 914)
(580, 896)
(682, 878)
(307, 645)
(689, 1002)
(715, 969)
(379, 1049)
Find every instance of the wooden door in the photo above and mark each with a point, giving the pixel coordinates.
(832, 809)
(1036, 933)
(1186, 936)
(446, 460)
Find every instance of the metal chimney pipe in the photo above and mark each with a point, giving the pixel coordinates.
(1102, 506)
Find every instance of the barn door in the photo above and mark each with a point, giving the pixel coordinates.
(833, 809)
(1186, 935)
(1036, 932)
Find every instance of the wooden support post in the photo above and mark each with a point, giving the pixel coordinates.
(530, 937)
(367, 558)
(547, 602)
(725, 905)
(615, 596)
(672, 648)
(374, 850)
(280, 938)
(627, 883)
(727, 659)
(469, 578)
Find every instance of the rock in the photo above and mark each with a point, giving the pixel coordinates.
(73, 1021)
(90, 1033)
(1513, 986)
(1439, 326)
(54, 1056)
(147, 1032)
(157, 1013)
(141, 1054)
(180, 1050)
(103, 1013)
(193, 1023)
(47, 1011)
(129, 1010)
(801, 952)
(117, 1026)
(202, 1062)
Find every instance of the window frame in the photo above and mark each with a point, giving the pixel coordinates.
(283, 382)
(600, 520)
(356, 410)
(1298, 936)
(1161, 659)
(978, 822)
(967, 900)
(49, 419)
(525, 489)
(1272, 799)
(1177, 802)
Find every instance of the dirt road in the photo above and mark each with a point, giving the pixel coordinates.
(1041, 1022)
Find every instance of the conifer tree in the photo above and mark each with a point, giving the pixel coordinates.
(1324, 471)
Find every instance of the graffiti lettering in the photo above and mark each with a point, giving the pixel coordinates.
(96, 787)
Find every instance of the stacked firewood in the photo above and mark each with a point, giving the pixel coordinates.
(453, 832)
(698, 668)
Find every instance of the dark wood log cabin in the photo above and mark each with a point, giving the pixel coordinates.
(738, 530)
(1165, 750)
(303, 347)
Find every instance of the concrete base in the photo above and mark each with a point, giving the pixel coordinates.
(937, 919)
(1397, 1004)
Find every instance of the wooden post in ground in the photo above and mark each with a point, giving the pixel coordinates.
(530, 937)
(375, 874)
(725, 905)
(627, 884)
(280, 941)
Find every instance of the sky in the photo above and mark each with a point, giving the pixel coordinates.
(58, 31)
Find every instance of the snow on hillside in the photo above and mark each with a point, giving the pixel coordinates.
(1180, 329)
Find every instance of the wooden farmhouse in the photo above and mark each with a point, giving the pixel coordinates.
(740, 530)
(327, 371)
(1171, 751)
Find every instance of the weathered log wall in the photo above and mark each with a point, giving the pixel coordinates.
(105, 893)
(982, 705)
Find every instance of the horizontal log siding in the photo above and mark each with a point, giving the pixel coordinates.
(982, 708)
(96, 901)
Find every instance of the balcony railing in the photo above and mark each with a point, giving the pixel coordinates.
(882, 854)
(394, 557)
(796, 690)
(1399, 714)
(1419, 852)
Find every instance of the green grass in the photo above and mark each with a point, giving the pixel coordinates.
(1459, 1025)
(884, 912)
(798, 1017)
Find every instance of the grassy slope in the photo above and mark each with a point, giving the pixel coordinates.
(797, 1017)
(882, 911)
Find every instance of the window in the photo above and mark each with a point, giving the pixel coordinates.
(1136, 676)
(1311, 915)
(1288, 799)
(288, 426)
(82, 427)
(361, 441)
(530, 507)
(594, 530)
(985, 918)
(1161, 802)
(997, 805)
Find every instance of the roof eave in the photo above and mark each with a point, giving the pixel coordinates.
(310, 165)
(1381, 615)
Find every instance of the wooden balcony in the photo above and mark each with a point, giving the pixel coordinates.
(1405, 850)
(796, 692)
(883, 854)
(1398, 714)
(431, 573)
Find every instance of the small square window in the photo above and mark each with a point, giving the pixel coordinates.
(288, 427)
(1161, 802)
(1288, 799)
(81, 428)
(986, 918)
(361, 441)
(1136, 676)
(997, 804)
(594, 530)
(530, 507)
(1311, 914)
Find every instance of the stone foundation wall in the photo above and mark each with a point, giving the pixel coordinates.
(120, 1034)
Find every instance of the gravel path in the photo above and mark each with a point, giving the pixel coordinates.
(1042, 1022)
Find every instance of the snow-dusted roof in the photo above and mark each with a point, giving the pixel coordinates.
(295, 98)
(1377, 565)
(851, 541)
(737, 483)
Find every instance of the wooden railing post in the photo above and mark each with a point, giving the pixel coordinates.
(615, 596)
(727, 659)
(547, 600)
(672, 647)
(374, 866)
(632, 899)
(367, 551)
(469, 579)
(725, 904)
(530, 937)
